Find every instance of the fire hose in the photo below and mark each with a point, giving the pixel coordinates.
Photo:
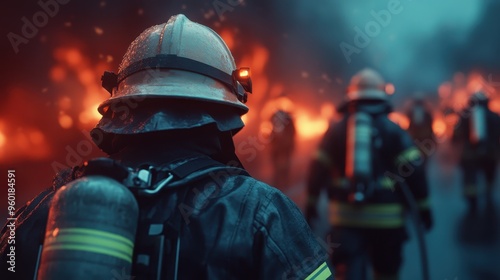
(415, 215)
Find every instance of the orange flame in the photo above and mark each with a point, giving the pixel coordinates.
(400, 119)
(72, 60)
(439, 127)
(25, 143)
(310, 127)
(3, 139)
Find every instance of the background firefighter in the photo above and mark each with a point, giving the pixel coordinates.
(477, 136)
(175, 104)
(420, 116)
(282, 146)
(367, 213)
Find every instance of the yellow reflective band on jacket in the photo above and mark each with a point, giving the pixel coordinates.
(321, 273)
(322, 157)
(90, 240)
(343, 183)
(409, 155)
(387, 183)
(423, 204)
(389, 215)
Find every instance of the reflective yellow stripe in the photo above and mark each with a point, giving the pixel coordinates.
(90, 240)
(97, 250)
(388, 215)
(321, 273)
(409, 155)
(343, 183)
(322, 157)
(387, 183)
(97, 232)
(423, 203)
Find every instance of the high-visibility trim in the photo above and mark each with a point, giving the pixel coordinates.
(343, 183)
(321, 273)
(409, 155)
(423, 204)
(90, 240)
(387, 183)
(390, 215)
(322, 157)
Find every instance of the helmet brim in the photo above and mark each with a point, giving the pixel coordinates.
(173, 84)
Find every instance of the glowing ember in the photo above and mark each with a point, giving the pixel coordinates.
(86, 77)
(36, 137)
(65, 103)
(65, 121)
(57, 74)
(390, 89)
(72, 56)
(98, 30)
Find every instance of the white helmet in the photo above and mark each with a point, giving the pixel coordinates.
(367, 84)
(185, 74)
(179, 59)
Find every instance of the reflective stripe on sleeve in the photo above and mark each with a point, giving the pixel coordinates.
(409, 155)
(390, 215)
(321, 273)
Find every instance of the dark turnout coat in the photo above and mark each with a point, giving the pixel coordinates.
(232, 227)
(395, 160)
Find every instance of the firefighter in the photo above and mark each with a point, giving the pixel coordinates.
(361, 162)
(175, 105)
(282, 146)
(420, 128)
(477, 134)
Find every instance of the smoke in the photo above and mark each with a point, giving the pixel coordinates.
(413, 48)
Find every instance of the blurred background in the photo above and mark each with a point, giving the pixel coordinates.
(302, 55)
